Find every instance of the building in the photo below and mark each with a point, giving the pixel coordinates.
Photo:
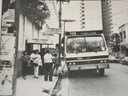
(123, 31)
(107, 19)
(82, 14)
(29, 21)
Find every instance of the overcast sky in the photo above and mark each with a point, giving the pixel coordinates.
(119, 13)
(93, 18)
(92, 14)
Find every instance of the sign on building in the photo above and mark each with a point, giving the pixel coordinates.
(47, 34)
(44, 41)
(53, 31)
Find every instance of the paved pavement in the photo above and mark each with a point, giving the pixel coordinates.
(34, 87)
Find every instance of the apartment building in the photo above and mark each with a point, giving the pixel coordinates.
(107, 19)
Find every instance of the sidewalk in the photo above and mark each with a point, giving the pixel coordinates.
(34, 87)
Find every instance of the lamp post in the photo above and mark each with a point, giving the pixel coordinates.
(65, 21)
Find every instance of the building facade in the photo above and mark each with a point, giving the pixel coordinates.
(82, 14)
(30, 23)
(123, 33)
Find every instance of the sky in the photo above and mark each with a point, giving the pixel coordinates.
(71, 11)
(120, 15)
(93, 19)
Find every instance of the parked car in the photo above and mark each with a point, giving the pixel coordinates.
(113, 59)
(125, 61)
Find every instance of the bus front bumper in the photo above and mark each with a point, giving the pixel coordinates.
(89, 67)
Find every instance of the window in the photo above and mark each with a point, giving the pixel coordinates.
(85, 44)
(83, 15)
(83, 19)
(82, 11)
(124, 34)
(82, 3)
(121, 37)
(82, 7)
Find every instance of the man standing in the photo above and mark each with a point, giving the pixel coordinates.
(48, 63)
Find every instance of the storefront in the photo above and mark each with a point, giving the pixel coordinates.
(35, 41)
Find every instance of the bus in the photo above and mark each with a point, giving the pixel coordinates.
(86, 50)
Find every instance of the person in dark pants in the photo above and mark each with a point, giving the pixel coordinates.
(42, 53)
(48, 63)
(25, 59)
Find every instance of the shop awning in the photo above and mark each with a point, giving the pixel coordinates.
(39, 41)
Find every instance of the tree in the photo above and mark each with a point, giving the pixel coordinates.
(5, 6)
(35, 10)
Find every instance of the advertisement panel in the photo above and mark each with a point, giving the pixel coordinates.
(6, 64)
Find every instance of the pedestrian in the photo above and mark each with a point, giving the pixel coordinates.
(56, 65)
(36, 59)
(25, 59)
(48, 63)
(42, 53)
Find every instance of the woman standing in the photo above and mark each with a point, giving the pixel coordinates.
(25, 59)
(36, 63)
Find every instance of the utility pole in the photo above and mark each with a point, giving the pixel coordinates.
(14, 83)
(0, 18)
(60, 14)
(67, 20)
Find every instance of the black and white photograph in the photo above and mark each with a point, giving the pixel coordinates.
(64, 48)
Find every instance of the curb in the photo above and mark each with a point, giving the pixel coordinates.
(51, 89)
(54, 84)
(64, 87)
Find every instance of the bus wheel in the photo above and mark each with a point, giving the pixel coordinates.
(101, 72)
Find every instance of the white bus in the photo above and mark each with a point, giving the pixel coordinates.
(86, 50)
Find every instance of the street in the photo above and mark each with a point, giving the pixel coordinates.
(114, 83)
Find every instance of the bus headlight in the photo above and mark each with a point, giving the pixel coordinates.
(70, 63)
(74, 63)
(105, 61)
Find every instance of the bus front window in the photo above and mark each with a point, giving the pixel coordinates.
(85, 44)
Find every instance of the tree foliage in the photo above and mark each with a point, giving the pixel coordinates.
(5, 6)
(36, 10)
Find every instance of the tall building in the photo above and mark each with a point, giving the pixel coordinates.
(107, 19)
(127, 7)
(82, 14)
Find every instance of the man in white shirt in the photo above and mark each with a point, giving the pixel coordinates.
(48, 63)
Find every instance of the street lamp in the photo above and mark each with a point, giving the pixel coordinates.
(64, 31)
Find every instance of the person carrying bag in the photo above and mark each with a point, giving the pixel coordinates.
(36, 58)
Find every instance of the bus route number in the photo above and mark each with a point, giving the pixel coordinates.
(72, 33)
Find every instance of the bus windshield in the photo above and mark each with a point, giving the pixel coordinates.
(85, 44)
